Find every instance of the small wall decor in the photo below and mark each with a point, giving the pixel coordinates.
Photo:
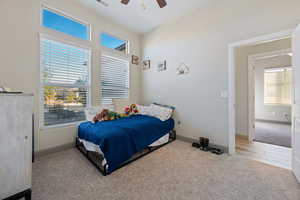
(183, 69)
(135, 60)
(162, 66)
(146, 64)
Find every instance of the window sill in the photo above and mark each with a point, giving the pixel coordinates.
(68, 125)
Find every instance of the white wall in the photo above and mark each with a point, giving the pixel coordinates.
(19, 55)
(270, 112)
(201, 41)
(241, 78)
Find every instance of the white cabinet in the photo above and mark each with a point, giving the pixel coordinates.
(15, 144)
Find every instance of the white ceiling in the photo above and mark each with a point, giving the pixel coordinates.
(142, 20)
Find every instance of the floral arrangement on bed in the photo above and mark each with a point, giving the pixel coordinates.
(107, 115)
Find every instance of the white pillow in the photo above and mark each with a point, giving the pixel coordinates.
(143, 110)
(162, 113)
(91, 112)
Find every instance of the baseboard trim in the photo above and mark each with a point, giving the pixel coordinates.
(273, 121)
(54, 149)
(191, 140)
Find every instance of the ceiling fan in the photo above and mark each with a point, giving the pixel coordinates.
(103, 3)
(161, 3)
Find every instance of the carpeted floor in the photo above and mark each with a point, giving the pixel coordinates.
(176, 171)
(273, 133)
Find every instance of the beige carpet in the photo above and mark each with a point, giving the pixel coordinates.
(176, 171)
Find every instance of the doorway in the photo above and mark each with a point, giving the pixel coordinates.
(270, 83)
(264, 86)
(248, 135)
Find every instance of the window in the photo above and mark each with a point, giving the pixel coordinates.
(278, 86)
(64, 82)
(114, 79)
(67, 25)
(112, 42)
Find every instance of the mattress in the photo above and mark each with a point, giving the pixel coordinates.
(95, 148)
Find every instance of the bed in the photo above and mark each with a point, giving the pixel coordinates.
(110, 145)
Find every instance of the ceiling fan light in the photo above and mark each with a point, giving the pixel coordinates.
(161, 3)
(102, 2)
(125, 2)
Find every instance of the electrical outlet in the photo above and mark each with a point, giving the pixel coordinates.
(287, 116)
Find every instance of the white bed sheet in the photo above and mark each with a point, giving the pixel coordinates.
(95, 148)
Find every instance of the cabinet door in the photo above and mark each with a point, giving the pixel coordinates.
(15, 149)
(26, 115)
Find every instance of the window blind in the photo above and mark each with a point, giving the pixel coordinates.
(114, 79)
(64, 82)
(278, 86)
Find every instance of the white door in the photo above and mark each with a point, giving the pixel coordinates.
(296, 107)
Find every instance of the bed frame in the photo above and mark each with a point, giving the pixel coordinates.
(96, 158)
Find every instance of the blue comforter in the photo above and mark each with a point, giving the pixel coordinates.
(120, 139)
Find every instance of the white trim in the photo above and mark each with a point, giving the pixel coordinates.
(66, 125)
(67, 40)
(272, 54)
(296, 105)
(231, 77)
(114, 53)
(251, 99)
(231, 101)
(264, 38)
(40, 94)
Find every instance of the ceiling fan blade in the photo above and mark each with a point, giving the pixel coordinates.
(125, 2)
(161, 3)
(103, 3)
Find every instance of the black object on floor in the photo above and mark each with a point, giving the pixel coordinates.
(216, 151)
(204, 148)
(196, 145)
(5, 92)
(204, 144)
(25, 194)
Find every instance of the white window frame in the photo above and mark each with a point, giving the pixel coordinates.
(66, 15)
(41, 84)
(106, 49)
(277, 104)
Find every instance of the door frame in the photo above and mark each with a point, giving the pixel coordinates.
(251, 85)
(231, 77)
